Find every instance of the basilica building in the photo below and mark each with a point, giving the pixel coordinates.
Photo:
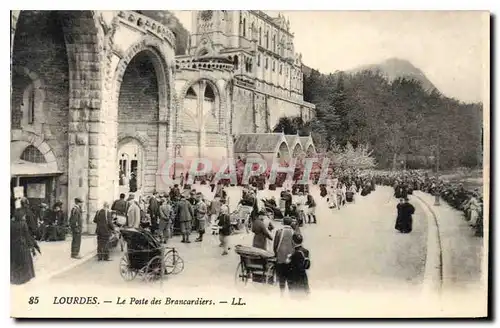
(99, 98)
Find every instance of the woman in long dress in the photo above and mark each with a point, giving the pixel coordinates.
(22, 246)
(404, 220)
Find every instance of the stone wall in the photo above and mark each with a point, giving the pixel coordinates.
(138, 98)
(243, 119)
(278, 108)
(261, 113)
(39, 54)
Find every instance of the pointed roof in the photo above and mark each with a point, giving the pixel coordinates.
(259, 142)
(292, 140)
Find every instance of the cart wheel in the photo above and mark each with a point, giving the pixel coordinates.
(125, 271)
(174, 264)
(153, 269)
(241, 276)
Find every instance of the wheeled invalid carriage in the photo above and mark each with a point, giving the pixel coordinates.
(255, 265)
(147, 257)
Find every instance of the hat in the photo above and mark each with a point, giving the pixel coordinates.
(58, 204)
(297, 238)
(78, 200)
(287, 220)
(44, 205)
(131, 196)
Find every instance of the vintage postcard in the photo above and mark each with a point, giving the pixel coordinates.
(249, 164)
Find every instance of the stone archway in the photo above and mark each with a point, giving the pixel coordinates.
(83, 41)
(140, 102)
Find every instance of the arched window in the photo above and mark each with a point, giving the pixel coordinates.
(260, 36)
(281, 69)
(190, 93)
(244, 27)
(267, 64)
(258, 60)
(209, 94)
(274, 43)
(267, 40)
(32, 154)
(251, 34)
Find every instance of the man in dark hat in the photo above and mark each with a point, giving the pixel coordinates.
(404, 220)
(298, 283)
(154, 211)
(175, 193)
(76, 225)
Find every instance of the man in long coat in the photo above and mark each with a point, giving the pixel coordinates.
(154, 211)
(76, 225)
(283, 249)
(166, 218)
(103, 231)
(185, 215)
(201, 216)
(404, 220)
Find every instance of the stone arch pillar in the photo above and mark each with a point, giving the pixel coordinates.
(86, 133)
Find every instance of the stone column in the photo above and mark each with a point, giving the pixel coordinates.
(85, 132)
(162, 136)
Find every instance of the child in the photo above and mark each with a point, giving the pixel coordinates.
(299, 263)
(224, 224)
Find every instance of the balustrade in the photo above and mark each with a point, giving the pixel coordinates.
(148, 25)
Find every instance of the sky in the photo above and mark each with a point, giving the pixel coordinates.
(451, 48)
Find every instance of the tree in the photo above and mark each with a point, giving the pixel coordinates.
(289, 125)
(396, 118)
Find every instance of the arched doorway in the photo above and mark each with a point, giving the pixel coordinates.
(283, 153)
(297, 150)
(310, 151)
(130, 158)
(142, 94)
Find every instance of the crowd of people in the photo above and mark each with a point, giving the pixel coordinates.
(184, 211)
(470, 202)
